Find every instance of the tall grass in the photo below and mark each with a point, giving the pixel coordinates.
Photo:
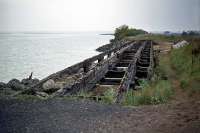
(187, 66)
(155, 93)
(182, 60)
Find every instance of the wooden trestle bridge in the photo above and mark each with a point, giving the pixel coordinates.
(120, 67)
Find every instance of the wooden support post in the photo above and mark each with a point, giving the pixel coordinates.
(109, 54)
(86, 66)
(100, 59)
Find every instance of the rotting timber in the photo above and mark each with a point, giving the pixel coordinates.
(120, 67)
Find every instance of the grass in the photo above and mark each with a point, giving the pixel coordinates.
(156, 38)
(152, 93)
(109, 96)
(187, 66)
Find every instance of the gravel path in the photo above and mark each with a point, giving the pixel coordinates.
(68, 116)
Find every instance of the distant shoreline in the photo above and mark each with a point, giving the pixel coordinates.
(109, 34)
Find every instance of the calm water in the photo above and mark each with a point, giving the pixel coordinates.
(44, 54)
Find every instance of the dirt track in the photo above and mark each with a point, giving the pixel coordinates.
(66, 116)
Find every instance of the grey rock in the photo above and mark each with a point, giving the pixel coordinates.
(2, 85)
(15, 85)
(50, 86)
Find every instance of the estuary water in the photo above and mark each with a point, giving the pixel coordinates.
(46, 53)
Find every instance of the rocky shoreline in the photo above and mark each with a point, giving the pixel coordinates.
(15, 86)
(27, 86)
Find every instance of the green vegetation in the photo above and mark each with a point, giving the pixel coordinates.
(109, 96)
(156, 37)
(124, 31)
(186, 62)
(151, 93)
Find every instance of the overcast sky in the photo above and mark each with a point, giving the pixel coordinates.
(98, 15)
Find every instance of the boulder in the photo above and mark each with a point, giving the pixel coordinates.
(15, 85)
(50, 86)
(2, 85)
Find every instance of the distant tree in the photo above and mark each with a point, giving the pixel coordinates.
(192, 33)
(167, 32)
(184, 33)
(121, 32)
(124, 31)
